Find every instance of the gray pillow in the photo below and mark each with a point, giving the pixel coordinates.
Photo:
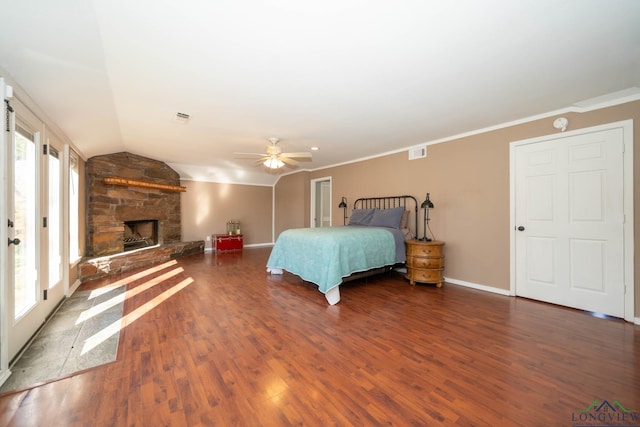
(361, 216)
(404, 222)
(387, 217)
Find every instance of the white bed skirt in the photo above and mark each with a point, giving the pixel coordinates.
(333, 295)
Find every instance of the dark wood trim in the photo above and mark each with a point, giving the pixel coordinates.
(114, 180)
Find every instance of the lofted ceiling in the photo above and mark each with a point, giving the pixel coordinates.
(355, 78)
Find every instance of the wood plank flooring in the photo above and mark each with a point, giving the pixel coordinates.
(211, 339)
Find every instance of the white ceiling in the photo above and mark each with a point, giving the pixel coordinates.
(356, 78)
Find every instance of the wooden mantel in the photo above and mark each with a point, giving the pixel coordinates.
(144, 184)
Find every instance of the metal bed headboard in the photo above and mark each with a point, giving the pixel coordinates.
(390, 202)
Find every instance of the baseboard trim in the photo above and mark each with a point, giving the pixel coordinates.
(4, 375)
(485, 288)
(74, 287)
(258, 245)
(253, 245)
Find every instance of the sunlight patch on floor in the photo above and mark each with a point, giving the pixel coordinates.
(99, 308)
(130, 279)
(114, 328)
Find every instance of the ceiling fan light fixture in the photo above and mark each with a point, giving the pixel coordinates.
(274, 158)
(273, 163)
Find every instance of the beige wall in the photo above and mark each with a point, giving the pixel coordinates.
(468, 179)
(206, 207)
(292, 202)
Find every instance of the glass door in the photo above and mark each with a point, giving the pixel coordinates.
(24, 222)
(52, 228)
(24, 290)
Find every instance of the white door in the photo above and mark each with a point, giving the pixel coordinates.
(569, 247)
(24, 163)
(321, 202)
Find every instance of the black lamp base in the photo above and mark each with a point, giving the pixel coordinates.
(424, 239)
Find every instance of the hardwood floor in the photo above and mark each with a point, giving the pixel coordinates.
(213, 340)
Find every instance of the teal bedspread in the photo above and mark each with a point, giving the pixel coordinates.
(325, 255)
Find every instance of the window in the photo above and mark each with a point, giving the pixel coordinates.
(55, 221)
(25, 225)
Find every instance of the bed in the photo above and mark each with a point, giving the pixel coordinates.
(372, 242)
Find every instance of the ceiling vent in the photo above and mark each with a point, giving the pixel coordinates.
(418, 152)
(182, 117)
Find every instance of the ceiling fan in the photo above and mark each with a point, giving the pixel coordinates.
(274, 158)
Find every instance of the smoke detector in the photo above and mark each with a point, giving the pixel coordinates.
(561, 123)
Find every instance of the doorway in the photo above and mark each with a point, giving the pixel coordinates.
(321, 202)
(571, 244)
(34, 269)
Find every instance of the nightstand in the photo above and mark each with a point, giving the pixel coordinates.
(425, 262)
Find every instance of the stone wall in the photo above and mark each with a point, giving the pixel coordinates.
(110, 205)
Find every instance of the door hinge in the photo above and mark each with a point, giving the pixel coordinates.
(44, 222)
(45, 296)
(44, 149)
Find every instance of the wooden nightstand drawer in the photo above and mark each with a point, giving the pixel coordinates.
(424, 250)
(427, 262)
(426, 276)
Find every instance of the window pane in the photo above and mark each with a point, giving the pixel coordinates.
(54, 223)
(74, 250)
(25, 292)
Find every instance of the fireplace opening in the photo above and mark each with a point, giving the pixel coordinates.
(140, 234)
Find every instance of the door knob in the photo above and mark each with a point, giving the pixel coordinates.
(15, 241)
(520, 228)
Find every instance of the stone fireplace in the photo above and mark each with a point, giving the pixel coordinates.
(133, 202)
(110, 206)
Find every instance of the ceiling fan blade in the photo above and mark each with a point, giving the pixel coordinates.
(288, 161)
(297, 155)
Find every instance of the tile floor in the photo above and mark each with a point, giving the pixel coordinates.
(83, 333)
